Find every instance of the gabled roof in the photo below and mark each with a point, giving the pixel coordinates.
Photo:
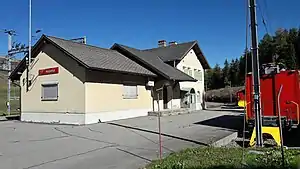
(100, 58)
(92, 57)
(178, 51)
(154, 63)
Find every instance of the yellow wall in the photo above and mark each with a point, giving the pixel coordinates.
(104, 92)
(80, 90)
(71, 92)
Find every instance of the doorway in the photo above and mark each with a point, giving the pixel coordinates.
(165, 97)
(192, 99)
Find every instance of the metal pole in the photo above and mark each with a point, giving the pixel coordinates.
(9, 70)
(230, 93)
(255, 72)
(159, 129)
(29, 36)
(280, 125)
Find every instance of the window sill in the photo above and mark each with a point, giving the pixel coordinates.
(129, 98)
(54, 99)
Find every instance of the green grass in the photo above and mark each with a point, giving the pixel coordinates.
(15, 92)
(15, 104)
(227, 158)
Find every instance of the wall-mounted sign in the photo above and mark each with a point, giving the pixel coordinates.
(150, 83)
(48, 71)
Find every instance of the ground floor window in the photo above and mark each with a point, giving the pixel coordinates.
(130, 91)
(49, 91)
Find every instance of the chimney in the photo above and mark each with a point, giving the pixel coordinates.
(172, 43)
(162, 43)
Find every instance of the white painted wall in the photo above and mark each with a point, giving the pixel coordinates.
(190, 60)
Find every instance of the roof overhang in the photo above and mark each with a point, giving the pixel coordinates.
(201, 56)
(188, 89)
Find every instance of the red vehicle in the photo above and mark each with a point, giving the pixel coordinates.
(270, 82)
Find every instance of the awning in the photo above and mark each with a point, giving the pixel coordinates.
(187, 89)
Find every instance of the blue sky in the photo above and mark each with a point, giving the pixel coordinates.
(218, 25)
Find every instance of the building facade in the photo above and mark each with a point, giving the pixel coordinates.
(73, 83)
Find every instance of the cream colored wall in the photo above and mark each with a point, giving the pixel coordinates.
(71, 92)
(104, 93)
(191, 61)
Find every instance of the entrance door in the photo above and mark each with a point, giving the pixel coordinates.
(193, 101)
(165, 98)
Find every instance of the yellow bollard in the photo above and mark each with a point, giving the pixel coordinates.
(273, 131)
(242, 103)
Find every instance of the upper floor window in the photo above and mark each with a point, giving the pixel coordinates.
(185, 70)
(190, 72)
(198, 74)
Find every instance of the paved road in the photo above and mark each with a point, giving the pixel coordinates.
(105, 146)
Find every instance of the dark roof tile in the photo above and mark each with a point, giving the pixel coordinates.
(100, 58)
(178, 51)
(157, 64)
(172, 52)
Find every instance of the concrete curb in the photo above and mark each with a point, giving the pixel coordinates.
(2, 118)
(172, 113)
(225, 140)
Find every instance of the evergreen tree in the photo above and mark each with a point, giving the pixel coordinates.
(209, 79)
(297, 49)
(217, 77)
(267, 49)
(225, 73)
(282, 48)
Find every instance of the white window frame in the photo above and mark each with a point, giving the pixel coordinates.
(185, 70)
(45, 84)
(125, 94)
(200, 75)
(190, 72)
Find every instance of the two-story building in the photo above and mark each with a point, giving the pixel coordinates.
(186, 57)
(75, 83)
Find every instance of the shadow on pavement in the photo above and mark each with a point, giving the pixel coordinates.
(227, 110)
(291, 138)
(163, 134)
(235, 123)
(231, 122)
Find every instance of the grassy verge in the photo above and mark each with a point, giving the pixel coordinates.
(15, 104)
(227, 158)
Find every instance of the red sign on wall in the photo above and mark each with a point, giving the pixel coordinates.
(48, 71)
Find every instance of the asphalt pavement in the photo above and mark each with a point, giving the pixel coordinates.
(123, 144)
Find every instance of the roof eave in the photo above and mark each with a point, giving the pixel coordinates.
(205, 65)
(141, 60)
(124, 72)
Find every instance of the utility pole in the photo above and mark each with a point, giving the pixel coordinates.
(255, 75)
(10, 33)
(29, 38)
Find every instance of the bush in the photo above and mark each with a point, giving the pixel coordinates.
(222, 95)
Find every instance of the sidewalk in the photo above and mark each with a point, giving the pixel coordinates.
(188, 127)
